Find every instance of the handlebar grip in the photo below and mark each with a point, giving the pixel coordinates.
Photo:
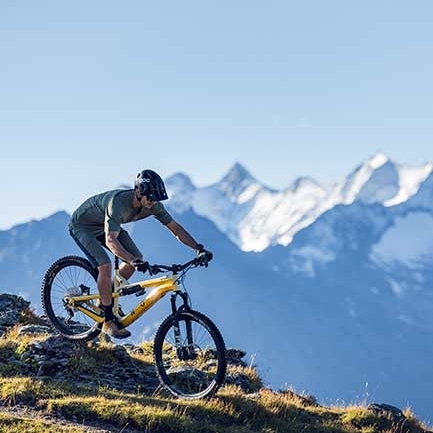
(204, 258)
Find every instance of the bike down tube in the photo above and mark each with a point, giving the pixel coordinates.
(166, 284)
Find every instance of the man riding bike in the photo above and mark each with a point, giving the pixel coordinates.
(96, 224)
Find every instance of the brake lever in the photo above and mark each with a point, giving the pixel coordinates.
(202, 261)
(153, 269)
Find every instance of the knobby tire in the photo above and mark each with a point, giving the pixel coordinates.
(214, 354)
(63, 276)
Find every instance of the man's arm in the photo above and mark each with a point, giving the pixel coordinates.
(117, 248)
(181, 234)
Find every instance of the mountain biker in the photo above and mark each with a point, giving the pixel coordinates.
(96, 224)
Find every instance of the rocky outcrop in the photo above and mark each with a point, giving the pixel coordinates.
(99, 362)
(11, 310)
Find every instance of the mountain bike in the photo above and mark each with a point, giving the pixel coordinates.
(188, 350)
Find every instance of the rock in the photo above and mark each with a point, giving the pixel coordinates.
(394, 414)
(234, 357)
(11, 309)
(34, 329)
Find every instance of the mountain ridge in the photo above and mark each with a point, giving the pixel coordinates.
(255, 217)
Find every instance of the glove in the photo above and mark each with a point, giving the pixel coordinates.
(203, 255)
(141, 265)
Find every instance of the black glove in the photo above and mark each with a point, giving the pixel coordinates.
(203, 255)
(141, 265)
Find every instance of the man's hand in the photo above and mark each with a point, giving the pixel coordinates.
(203, 255)
(141, 265)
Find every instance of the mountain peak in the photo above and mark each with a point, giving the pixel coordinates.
(181, 180)
(377, 170)
(304, 182)
(236, 181)
(179, 186)
(377, 160)
(238, 173)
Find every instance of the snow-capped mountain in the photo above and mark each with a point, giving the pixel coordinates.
(255, 217)
(250, 214)
(327, 288)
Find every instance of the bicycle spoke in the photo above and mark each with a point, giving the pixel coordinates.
(192, 366)
(66, 278)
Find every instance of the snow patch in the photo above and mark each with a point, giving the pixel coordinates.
(313, 253)
(409, 241)
(303, 259)
(378, 160)
(396, 288)
(248, 194)
(410, 179)
(356, 181)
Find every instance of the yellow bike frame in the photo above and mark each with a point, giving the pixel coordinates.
(161, 286)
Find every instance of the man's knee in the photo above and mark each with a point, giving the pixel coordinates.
(105, 269)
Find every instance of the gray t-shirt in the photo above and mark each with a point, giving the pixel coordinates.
(106, 212)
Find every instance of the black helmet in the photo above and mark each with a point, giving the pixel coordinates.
(151, 185)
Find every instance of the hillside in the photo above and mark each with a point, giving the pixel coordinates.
(338, 299)
(48, 384)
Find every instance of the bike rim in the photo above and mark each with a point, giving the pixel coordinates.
(191, 370)
(68, 281)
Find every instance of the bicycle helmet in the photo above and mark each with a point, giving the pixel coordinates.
(150, 184)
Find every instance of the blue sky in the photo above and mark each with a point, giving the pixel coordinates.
(92, 92)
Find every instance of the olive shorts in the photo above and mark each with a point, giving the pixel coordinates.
(95, 249)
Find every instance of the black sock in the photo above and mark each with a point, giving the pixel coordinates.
(108, 312)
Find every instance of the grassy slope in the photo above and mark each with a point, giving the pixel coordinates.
(29, 404)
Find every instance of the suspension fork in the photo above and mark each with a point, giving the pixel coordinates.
(184, 351)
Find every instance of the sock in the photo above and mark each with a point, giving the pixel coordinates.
(108, 312)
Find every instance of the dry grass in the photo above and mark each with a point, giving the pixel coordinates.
(231, 411)
(58, 406)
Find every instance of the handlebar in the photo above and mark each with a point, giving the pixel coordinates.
(176, 268)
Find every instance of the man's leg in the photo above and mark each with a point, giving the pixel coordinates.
(104, 283)
(125, 269)
(97, 255)
(110, 325)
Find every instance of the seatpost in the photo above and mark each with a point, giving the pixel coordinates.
(116, 283)
(118, 280)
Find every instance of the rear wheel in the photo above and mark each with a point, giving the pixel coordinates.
(70, 276)
(189, 354)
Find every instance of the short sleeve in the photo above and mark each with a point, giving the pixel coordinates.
(161, 214)
(112, 217)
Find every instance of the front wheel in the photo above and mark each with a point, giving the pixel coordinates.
(190, 356)
(70, 276)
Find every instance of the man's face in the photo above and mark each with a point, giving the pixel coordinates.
(147, 203)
